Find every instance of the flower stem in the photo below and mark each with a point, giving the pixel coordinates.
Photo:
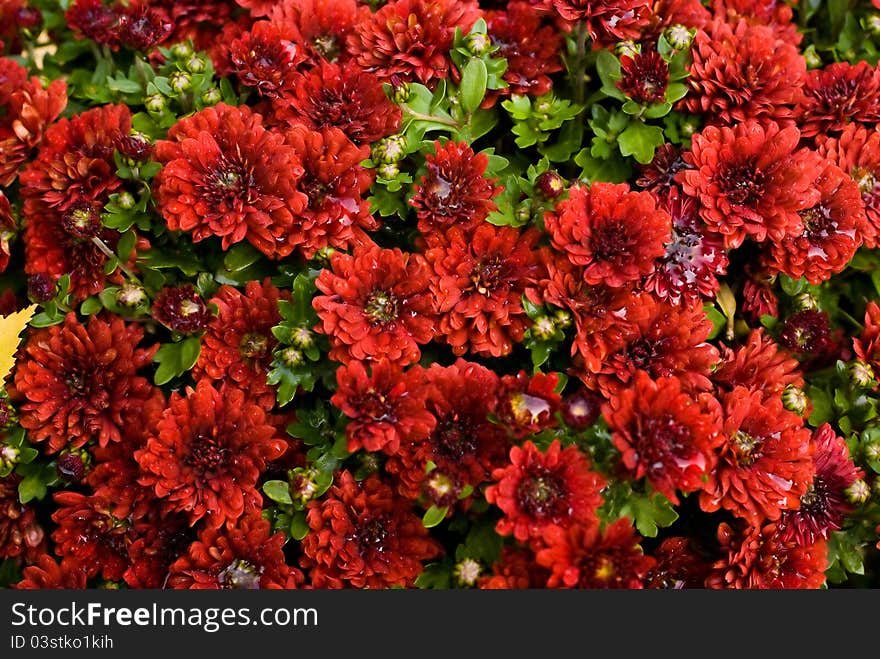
(428, 117)
(101, 245)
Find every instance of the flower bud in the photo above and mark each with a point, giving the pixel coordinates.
(390, 149)
(73, 465)
(155, 103)
(8, 457)
(544, 328)
(861, 374)
(550, 184)
(131, 295)
(627, 49)
(400, 90)
(291, 357)
(679, 37)
(580, 409)
(196, 64)
(466, 572)
(858, 492)
(524, 212)
(211, 96)
(388, 170)
(125, 201)
(180, 81)
(302, 337)
(794, 399)
(181, 50)
(478, 44)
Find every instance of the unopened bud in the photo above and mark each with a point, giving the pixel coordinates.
(544, 328)
(478, 44)
(211, 96)
(858, 492)
(155, 103)
(550, 184)
(466, 572)
(861, 374)
(679, 37)
(794, 399)
(131, 296)
(180, 81)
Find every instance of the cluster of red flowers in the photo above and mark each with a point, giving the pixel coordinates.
(430, 321)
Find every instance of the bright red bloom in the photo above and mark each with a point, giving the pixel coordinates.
(759, 297)
(837, 95)
(227, 176)
(334, 183)
(266, 57)
(363, 536)
(247, 556)
(607, 21)
(76, 382)
(765, 464)
(376, 304)
(515, 570)
(773, 13)
(644, 77)
(659, 175)
(528, 404)
(159, 541)
(663, 434)
(454, 192)
(385, 408)
(478, 284)
(237, 345)
(343, 97)
(323, 27)
(742, 71)
(8, 230)
(614, 233)
(679, 565)
(47, 574)
(760, 365)
(758, 558)
(857, 152)
(832, 231)
(867, 346)
(584, 557)
(541, 489)
(751, 181)
(666, 13)
(411, 38)
(20, 532)
(824, 505)
(205, 455)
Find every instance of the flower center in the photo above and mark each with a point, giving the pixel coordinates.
(381, 307)
(206, 453)
(253, 345)
(542, 494)
(371, 535)
(743, 184)
(82, 222)
(528, 409)
(189, 308)
(865, 179)
(240, 575)
(746, 447)
(456, 438)
(817, 221)
(487, 276)
(326, 46)
(611, 241)
(376, 406)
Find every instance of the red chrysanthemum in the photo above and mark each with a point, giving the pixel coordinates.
(237, 345)
(227, 176)
(833, 230)
(667, 13)
(659, 175)
(141, 27)
(758, 295)
(758, 558)
(385, 408)
(478, 284)
(607, 21)
(679, 565)
(363, 536)
(614, 233)
(75, 382)
(207, 452)
(323, 27)
(541, 489)
(411, 38)
(867, 345)
(21, 534)
(584, 557)
(764, 464)
(824, 505)
(807, 332)
(759, 364)
(857, 152)
(94, 20)
(528, 404)
(159, 540)
(837, 95)
(453, 191)
(694, 255)
(663, 434)
(47, 574)
(8, 231)
(334, 183)
(644, 77)
(751, 181)
(773, 13)
(515, 570)
(266, 57)
(343, 97)
(246, 556)
(376, 304)
(181, 309)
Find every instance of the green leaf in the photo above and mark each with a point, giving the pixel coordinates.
(473, 84)
(175, 359)
(89, 306)
(822, 407)
(240, 257)
(434, 515)
(613, 170)
(31, 488)
(717, 318)
(299, 526)
(640, 140)
(675, 92)
(123, 85)
(278, 491)
(649, 512)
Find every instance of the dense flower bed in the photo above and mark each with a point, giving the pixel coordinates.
(439, 294)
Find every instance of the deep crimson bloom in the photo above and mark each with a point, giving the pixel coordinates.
(343, 97)
(199, 20)
(411, 38)
(659, 175)
(607, 21)
(759, 364)
(663, 434)
(530, 48)
(246, 556)
(94, 20)
(867, 345)
(363, 536)
(238, 343)
(453, 191)
(205, 455)
(334, 183)
(765, 464)
(478, 284)
(10, 13)
(514, 570)
(614, 233)
(75, 382)
(528, 404)
(694, 256)
(584, 557)
(227, 176)
(47, 574)
(375, 304)
(833, 230)
(742, 71)
(323, 27)
(837, 95)
(159, 540)
(88, 531)
(644, 77)
(857, 152)
(266, 57)
(140, 27)
(540, 489)
(806, 332)
(759, 296)
(679, 565)
(181, 309)
(757, 557)
(8, 230)
(385, 408)
(670, 341)
(751, 181)
(21, 534)
(824, 505)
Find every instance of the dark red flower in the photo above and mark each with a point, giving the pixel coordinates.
(385, 408)
(581, 409)
(663, 434)
(742, 71)
(411, 38)
(679, 565)
(759, 364)
(375, 304)
(751, 181)
(614, 233)
(207, 452)
(478, 284)
(773, 13)
(21, 534)
(47, 574)
(764, 464)
(323, 27)
(659, 176)
(94, 20)
(8, 231)
(540, 489)
(266, 57)
(75, 381)
(159, 541)
(363, 536)
(515, 570)
(238, 343)
(246, 556)
(181, 309)
(837, 95)
(644, 77)
(142, 28)
(867, 345)
(528, 404)
(607, 21)
(227, 176)
(806, 332)
(584, 557)
(453, 192)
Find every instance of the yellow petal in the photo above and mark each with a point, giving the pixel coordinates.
(11, 327)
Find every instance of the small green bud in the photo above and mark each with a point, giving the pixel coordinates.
(858, 492)
(400, 91)
(291, 357)
(125, 201)
(467, 571)
(543, 328)
(627, 49)
(811, 57)
(131, 296)
(8, 456)
(805, 302)
(390, 149)
(861, 374)
(196, 64)
(302, 337)
(155, 103)
(524, 212)
(181, 50)
(679, 37)
(180, 81)
(794, 399)
(388, 170)
(562, 318)
(478, 44)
